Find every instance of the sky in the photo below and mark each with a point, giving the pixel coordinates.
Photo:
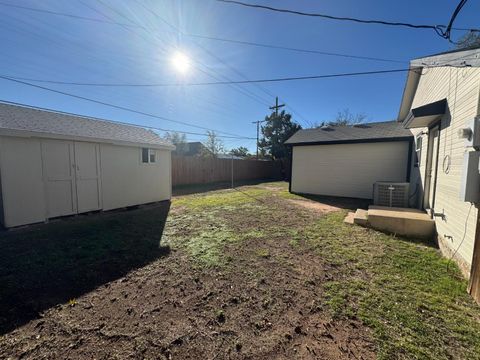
(134, 42)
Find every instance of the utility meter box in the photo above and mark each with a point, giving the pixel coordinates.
(470, 186)
(471, 133)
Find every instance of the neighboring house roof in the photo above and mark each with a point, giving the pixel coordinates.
(379, 131)
(20, 119)
(191, 148)
(468, 57)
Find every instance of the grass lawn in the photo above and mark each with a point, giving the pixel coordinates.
(249, 273)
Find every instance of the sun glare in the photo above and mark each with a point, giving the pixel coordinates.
(180, 62)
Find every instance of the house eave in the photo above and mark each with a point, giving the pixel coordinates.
(353, 141)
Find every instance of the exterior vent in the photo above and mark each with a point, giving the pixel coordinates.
(390, 194)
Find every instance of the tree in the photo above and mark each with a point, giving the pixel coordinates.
(179, 140)
(470, 39)
(213, 145)
(276, 131)
(344, 118)
(241, 151)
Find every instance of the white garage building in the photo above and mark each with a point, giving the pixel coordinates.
(55, 164)
(347, 160)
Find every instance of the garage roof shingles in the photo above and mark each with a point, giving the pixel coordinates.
(350, 133)
(22, 118)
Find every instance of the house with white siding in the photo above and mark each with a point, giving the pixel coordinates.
(55, 164)
(440, 104)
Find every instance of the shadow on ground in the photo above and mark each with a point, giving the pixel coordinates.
(341, 202)
(48, 264)
(201, 188)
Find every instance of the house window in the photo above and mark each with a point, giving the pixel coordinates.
(418, 150)
(149, 156)
(153, 156)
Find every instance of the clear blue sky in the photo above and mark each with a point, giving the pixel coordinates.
(43, 46)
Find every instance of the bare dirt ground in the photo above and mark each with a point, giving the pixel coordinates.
(264, 302)
(250, 273)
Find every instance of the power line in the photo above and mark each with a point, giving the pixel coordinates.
(119, 122)
(256, 81)
(300, 50)
(73, 16)
(437, 28)
(447, 32)
(213, 38)
(125, 109)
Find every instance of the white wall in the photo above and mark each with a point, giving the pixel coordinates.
(22, 184)
(460, 86)
(127, 181)
(347, 170)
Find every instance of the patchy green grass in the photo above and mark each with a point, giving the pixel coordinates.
(413, 299)
(222, 198)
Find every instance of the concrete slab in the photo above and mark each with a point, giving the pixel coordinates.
(361, 217)
(349, 218)
(401, 221)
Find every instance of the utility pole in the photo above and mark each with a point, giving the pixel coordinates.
(258, 131)
(276, 107)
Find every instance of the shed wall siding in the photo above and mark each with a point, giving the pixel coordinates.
(126, 181)
(347, 170)
(22, 182)
(460, 86)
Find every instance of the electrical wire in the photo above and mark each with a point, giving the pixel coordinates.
(216, 76)
(300, 50)
(267, 80)
(447, 32)
(120, 122)
(213, 38)
(125, 109)
(437, 28)
(464, 233)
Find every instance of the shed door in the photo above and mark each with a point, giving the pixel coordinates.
(87, 168)
(59, 177)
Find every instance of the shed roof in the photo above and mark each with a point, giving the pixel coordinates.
(17, 119)
(378, 131)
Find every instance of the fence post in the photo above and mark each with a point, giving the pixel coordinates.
(232, 171)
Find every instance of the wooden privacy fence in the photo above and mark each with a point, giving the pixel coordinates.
(188, 170)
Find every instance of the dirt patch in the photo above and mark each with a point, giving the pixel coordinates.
(312, 205)
(263, 301)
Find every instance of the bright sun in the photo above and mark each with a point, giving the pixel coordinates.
(180, 62)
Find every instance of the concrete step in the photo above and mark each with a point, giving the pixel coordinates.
(401, 221)
(349, 218)
(361, 217)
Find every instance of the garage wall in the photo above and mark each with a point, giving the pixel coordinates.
(126, 181)
(22, 183)
(347, 170)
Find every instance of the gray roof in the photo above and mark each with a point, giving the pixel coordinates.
(350, 133)
(48, 122)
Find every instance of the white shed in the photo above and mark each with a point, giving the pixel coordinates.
(346, 161)
(55, 164)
